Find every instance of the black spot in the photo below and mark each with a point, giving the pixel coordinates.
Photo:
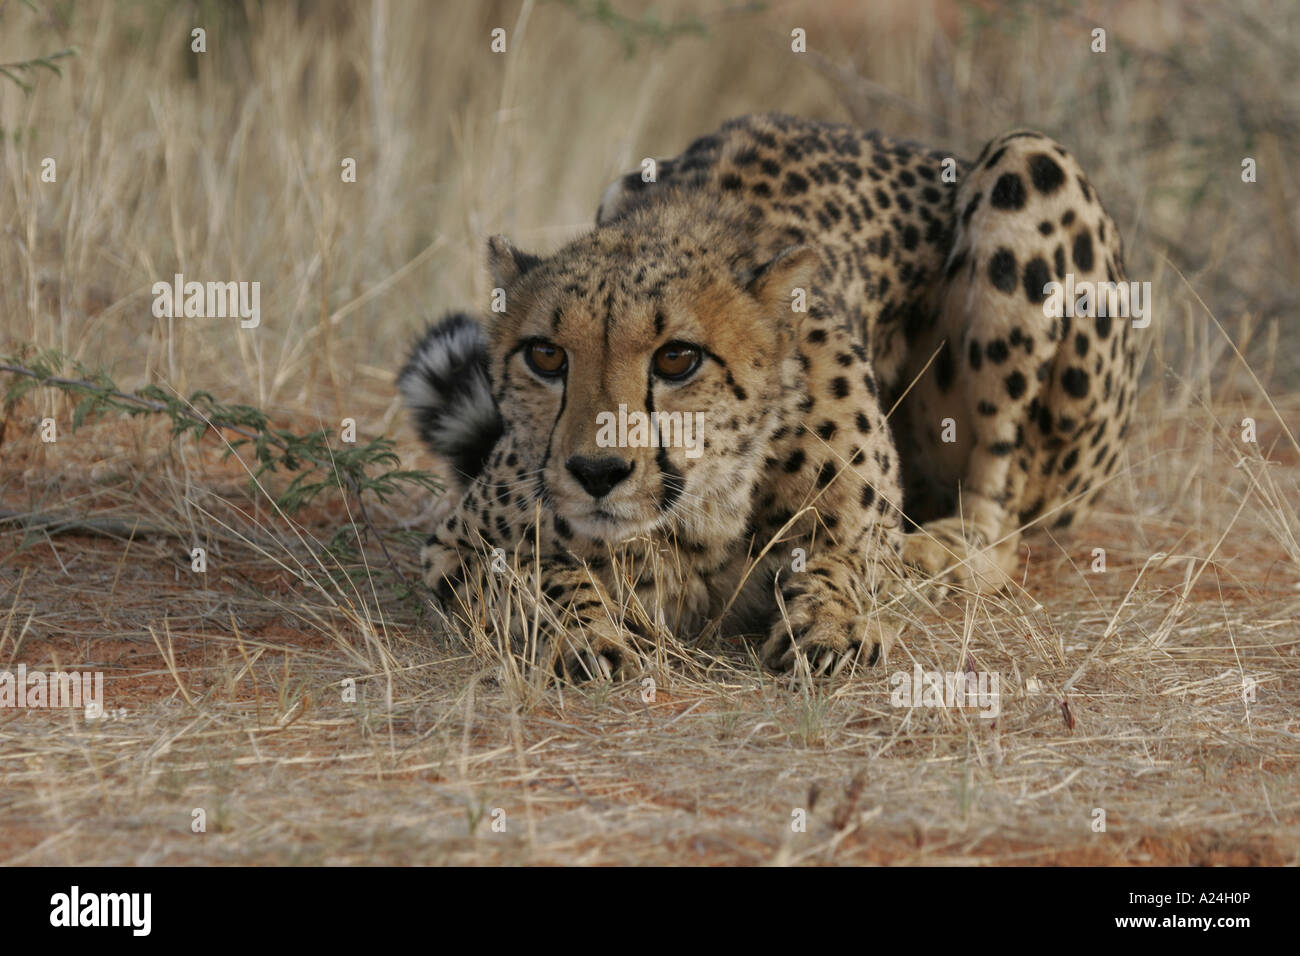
(1075, 381)
(976, 354)
(1083, 251)
(1016, 384)
(826, 430)
(779, 518)
(987, 409)
(868, 496)
(731, 181)
(1045, 227)
(1002, 270)
(825, 473)
(794, 462)
(840, 387)
(997, 351)
(864, 423)
(1045, 420)
(1008, 192)
(970, 209)
(1081, 345)
(1031, 511)
(1037, 275)
(1046, 175)
(794, 184)
(943, 368)
(911, 237)
(1000, 448)
(1102, 325)
(1068, 217)
(736, 389)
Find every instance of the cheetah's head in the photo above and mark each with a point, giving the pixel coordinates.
(638, 371)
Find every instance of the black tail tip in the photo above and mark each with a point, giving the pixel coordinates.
(446, 385)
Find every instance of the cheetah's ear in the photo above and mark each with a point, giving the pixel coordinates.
(506, 263)
(773, 281)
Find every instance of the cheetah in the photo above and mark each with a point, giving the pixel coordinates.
(859, 322)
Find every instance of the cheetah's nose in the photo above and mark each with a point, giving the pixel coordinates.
(598, 475)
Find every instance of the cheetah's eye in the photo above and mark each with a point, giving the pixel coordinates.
(677, 360)
(545, 358)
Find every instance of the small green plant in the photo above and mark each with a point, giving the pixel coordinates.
(318, 464)
(322, 465)
(23, 71)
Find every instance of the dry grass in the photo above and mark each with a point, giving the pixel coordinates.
(1122, 690)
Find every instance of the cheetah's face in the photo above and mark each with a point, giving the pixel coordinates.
(637, 377)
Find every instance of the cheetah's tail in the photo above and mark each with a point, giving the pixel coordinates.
(445, 384)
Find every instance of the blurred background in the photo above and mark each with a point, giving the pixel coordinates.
(225, 165)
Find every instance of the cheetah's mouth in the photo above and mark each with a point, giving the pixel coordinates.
(610, 522)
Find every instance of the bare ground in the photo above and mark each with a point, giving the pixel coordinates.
(1126, 692)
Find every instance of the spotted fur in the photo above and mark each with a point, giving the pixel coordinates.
(923, 297)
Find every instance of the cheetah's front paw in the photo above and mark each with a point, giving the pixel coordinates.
(830, 643)
(593, 652)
